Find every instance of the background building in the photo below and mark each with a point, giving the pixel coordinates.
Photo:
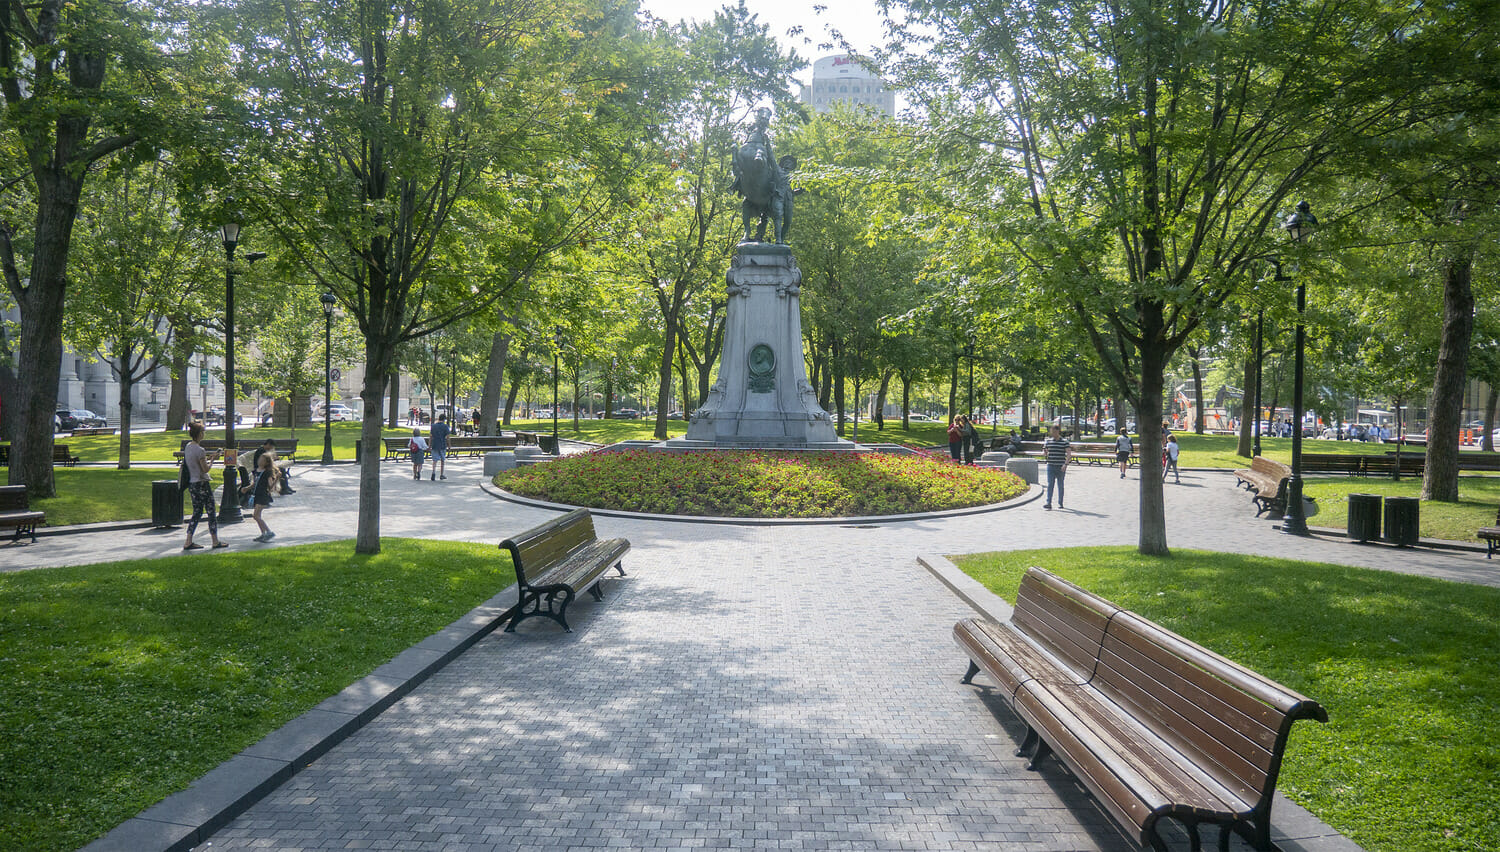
(842, 79)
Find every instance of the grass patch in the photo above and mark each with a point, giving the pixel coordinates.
(159, 446)
(1404, 665)
(94, 496)
(120, 683)
(762, 484)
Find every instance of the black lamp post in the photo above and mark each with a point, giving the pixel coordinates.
(328, 300)
(557, 343)
(229, 507)
(1260, 336)
(969, 353)
(1298, 226)
(453, 388)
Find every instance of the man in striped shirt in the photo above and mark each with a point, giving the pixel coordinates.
(1058, 452)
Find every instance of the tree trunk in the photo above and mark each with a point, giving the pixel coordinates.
(378, 368)
(664, 375)
(510, 401)
(127, 408)
(393, 404)
(878, 415)
(1440, 479)
(39, 354)
(953, 390)
(1026, 405)
(1153, 532)
(837, 371)
(905, 401)
(494, 383)
(1246, 446)
(177, 398)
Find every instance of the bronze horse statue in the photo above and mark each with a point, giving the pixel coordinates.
(767, 193)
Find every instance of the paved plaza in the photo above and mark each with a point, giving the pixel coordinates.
(770, 687)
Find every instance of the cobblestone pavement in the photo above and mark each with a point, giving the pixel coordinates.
(744, 686)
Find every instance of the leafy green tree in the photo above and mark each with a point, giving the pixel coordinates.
(420, 161)
(136, 267)
(82, 83)
(1139, 158)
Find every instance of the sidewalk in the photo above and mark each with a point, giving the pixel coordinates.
(764, 687)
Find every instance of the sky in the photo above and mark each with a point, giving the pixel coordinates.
(859, 21)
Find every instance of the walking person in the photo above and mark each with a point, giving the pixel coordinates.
(417, 446)
(1123, 449)
(1058, 452)
(1169, 453)
(196, 460)
(261, 484)
(440, 432)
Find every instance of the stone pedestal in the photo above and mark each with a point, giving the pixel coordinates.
(762, 398)
(1024, 468)
(498, 461)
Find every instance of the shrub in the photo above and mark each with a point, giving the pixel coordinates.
(756, 484)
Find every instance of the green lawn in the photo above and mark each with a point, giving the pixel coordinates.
(159, 446)
(93, 496)
(121, 683)
(1410, 758)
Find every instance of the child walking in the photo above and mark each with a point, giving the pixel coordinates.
(262, 482)
(418, 447)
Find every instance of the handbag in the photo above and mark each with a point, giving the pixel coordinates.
(182, 477)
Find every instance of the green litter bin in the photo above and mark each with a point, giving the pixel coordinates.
(1401, 520)
(1364, 517)
(547, 444)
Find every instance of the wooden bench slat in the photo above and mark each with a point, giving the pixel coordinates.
(1156, 725)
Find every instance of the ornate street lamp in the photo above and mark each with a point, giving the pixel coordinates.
(1299, 227)
(452, 388)
(328, 300)
(229, 507)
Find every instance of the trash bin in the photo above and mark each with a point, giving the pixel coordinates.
(166, 503)
(356, 451)
(1401, 520)
(547, 444)
(1364, 517)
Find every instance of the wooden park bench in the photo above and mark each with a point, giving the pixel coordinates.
(60, 455)
(1412, 464)
(1333, 463)
(94, 430)
(478, 445)
(16, 511)
(1154, 725)
(286, 448)
(556, 560)
(1262, 475)
(1491, 537)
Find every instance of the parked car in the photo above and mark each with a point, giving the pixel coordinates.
(914, 417)
(337, 412)
(215, 414)
(67, 420)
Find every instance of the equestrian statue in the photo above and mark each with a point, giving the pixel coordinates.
(763, 183)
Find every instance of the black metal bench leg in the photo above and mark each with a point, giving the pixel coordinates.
(621, 568)
(1195, 842)
(1041, 753)
(969, 675)
(597, 592)
(1226, 830)
(1026, 744)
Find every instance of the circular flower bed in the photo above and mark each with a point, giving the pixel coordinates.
(753, 484)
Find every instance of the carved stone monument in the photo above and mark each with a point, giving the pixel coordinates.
(762, 397)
